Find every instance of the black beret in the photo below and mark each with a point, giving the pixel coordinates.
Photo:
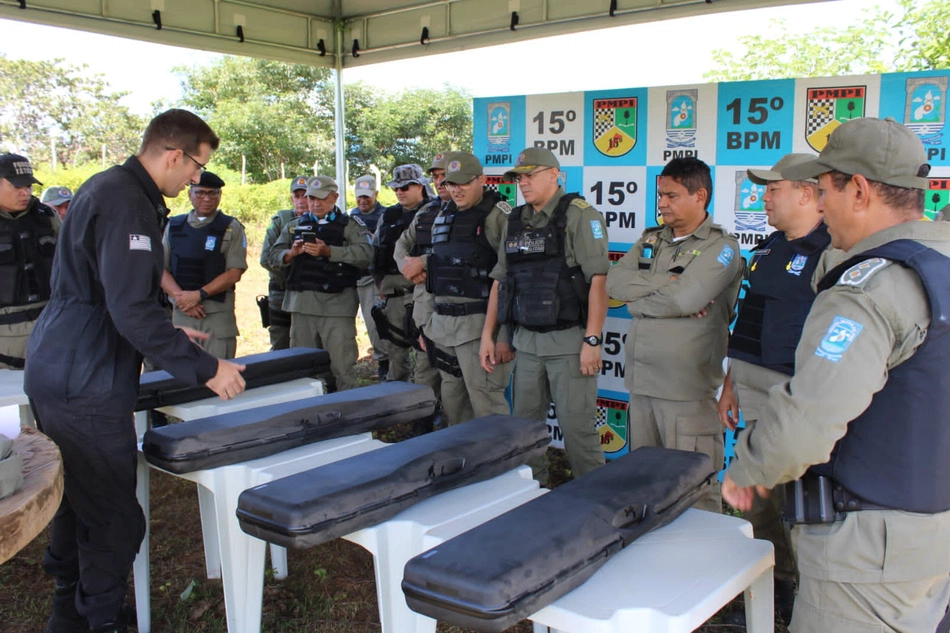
(209, 180)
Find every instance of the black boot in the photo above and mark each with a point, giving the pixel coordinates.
(65, 617)
(383, 370)
(784, 599)
(120, 624)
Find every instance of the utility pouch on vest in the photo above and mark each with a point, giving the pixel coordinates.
(809, 500)
(264, 307)
(386, 330)
(535, 307)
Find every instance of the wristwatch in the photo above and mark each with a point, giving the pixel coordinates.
(202, 293)
(593, 340)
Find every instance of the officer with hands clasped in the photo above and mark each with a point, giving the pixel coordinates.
(767, 331)
(680, 283)
(861, 425)
(558, 342)
(85, 356)
(326, 252)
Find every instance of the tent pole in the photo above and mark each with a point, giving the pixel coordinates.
(338, 120)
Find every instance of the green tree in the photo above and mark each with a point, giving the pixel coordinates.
(40, 99)
(913, 37)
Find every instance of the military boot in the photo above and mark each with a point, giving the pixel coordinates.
(65, 618)
(120, 624)
(383, 370)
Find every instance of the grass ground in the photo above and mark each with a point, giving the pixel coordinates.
(330, 589)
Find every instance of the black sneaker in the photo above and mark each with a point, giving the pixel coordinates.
(65, 618)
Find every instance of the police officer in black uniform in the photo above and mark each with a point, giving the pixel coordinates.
(85, 357)
(28, 230)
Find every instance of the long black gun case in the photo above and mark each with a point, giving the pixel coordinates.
(497, 574)
(254, 433)
(322, 504)
(161, 389)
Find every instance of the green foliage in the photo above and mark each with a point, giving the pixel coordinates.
(913, 38)
(43, 98)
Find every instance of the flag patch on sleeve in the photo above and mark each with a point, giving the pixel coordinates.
(140, 243)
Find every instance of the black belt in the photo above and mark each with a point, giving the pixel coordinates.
(461, 309)
(20, 317)
(818, 499)
(398, 292)
(12, 361)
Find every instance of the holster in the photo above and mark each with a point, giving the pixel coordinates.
(819, 499)
(264, 307)
(441, 359)
(386, 330)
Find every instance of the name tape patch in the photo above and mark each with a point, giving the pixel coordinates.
(140, 243)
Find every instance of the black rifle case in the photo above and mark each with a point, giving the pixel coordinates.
(160, 389)
(322, 504)
(502, 571)
(240, 436)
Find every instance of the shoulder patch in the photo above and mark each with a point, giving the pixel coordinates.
(725, 256)
(860, 273)
(504, 206)
(597, 229)
(650, 239)
(838, 338)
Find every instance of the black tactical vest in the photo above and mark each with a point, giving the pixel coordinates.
(778, 299)
(197, 254)
(541, 293)
(393, 222)
(895, 453)
(319, 273)
(461, 256)
(27, 243)
(427, 215)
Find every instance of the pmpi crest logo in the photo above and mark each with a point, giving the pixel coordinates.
(749, 207)
(681, 118)
(828, 108)
(611, 423)
(505, 188)
(937, 198)
(615, 126)
(499, 127)
(924, 109)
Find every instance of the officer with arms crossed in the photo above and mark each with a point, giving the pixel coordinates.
(85, 357)
(369, 211)
(863, 420)
(680, 283)
(205, 256)
(767, 331)
(28, 230)
(558, 342)
(326, 252)
(279, 321)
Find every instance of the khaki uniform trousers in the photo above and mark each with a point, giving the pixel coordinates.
(13, 339)
(691, 425)
(337, 335)
(224, 347)
(395, 312)
(369, 297)
(477, 393)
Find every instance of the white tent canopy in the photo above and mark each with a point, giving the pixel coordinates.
(346, 33)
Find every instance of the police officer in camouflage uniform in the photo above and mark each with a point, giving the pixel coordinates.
(767, 331)
(326, 252)
(558, 343)
(279, 328)
(864, 418)
(28, 232)
(680, 282)
(369, 210)
(465, 240)
(205, 257)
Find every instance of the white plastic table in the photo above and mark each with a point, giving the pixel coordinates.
(672, 580)
(11, 392)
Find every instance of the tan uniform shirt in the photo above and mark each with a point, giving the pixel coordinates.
(584, 246)
(277, 224)
(810, 413)
(670, 353)
(356, 251)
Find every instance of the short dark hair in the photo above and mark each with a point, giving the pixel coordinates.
(692, 173)
(909, 201)
(178, 129)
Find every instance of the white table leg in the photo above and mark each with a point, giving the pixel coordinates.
(398, 541)
(26, 417)
(278, 560)
(760, 605)
(141, 566)
(209, 532)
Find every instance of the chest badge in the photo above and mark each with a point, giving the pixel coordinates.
(796, 265)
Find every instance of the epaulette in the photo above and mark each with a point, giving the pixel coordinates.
(580, 203)
(858, 274)
(358, 220)
(504, 206)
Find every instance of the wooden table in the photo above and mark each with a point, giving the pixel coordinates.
(26, 512)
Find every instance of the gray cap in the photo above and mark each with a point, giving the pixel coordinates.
(56, 196)
(321, 187)
(462, 167)
(365, 186)
(531, 159)
(881, 150)
(407, 175)
(438, 162)
(298, 183)
(765, 176)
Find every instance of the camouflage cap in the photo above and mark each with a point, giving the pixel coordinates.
(765, 176)
(365, 186)
(531, 159)
(56, 196)
(321, 187)
(881, 150)
(407, 175)
(462, 167)
(298, 183)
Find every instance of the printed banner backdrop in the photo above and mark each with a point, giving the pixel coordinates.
(612, 145)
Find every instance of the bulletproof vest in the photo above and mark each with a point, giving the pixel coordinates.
(197, 254)
(394, 221)
(27, 243)
(461, 256)
(319, 273)
(541, 293)
(895, 453)
(427, 215)
(778, 299)
(370, 219)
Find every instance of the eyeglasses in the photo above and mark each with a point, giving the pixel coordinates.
(206, 193)
(404, 188)
(529, 177)
(201, 166)
(455, 185)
